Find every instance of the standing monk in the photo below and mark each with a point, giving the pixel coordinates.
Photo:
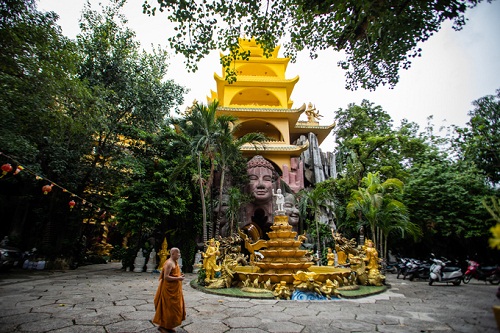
(169, 301)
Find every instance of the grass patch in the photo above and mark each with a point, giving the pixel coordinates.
(232, 292)
(363, 291)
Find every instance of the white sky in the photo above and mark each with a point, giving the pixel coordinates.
(455, 69)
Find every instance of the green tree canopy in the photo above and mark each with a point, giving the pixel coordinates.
(378, 37)
(479, 141)
(77, 113)
(378, 205)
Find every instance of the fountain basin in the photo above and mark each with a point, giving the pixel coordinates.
(324, 273)
(330, 272)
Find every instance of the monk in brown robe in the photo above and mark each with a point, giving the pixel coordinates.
(169, 301)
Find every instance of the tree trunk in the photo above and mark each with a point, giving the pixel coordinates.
(317, 238)
(385, 249)
(219, 210)
(203, 207)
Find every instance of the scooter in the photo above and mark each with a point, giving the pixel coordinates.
(487, 273)
(439, 272)
(419, 269)
(403, 267)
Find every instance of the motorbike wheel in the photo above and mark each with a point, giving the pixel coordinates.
(457, 282)
(495, 279)
(431, 281)
(467, 278)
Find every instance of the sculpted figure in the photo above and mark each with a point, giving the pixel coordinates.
(292, 211)
(330, 257)
(210, 260)
(282, 291)
(252, 247)
(374, 276)
(261, 175)
(306, 281)
(371, 256)
(341, 255)
(312, 114)
(344, 244)
(330, 288)
(280, 200)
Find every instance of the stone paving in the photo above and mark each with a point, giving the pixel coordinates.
(106, 299)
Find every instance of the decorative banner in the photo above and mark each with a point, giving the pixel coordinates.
(18, 169)
(46, 189)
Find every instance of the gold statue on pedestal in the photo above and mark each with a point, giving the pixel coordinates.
(163, 254)
(210, 260)
(330, 257)
(372, 266)
(312, 114)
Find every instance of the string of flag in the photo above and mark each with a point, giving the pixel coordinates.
(7, 168)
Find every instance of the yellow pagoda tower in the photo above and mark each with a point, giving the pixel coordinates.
(260, 99)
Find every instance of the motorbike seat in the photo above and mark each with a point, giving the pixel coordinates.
(450, 269)
(488, 268)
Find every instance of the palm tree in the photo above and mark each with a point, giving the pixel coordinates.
(235, 199)
(200, 129)
(228, 148)
(377, 203)
(395, 219)
(313, 200)
(211, 137)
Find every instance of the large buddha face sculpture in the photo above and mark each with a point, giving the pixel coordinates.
(261, 175)
(291, 210)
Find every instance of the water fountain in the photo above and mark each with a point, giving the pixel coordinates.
(284, 261)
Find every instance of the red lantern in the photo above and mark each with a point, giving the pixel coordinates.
(6, 168)
(71, 204)
(47, 188)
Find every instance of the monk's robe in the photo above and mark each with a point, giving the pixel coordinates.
(169, 302)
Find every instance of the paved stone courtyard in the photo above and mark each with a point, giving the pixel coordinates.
(106, 299)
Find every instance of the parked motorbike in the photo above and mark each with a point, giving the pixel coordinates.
(402, 267)
(418, 270)
(489, 274)
(390, 267)
(440, 272)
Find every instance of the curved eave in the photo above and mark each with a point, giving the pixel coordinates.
(263, 60)
(257, 81)
(303, 128)
(275, 149)
(291, 114)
